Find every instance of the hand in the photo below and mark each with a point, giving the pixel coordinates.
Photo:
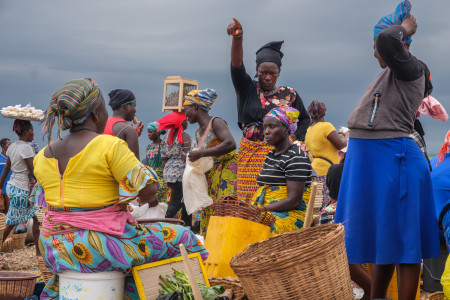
(235, 29)
(410, 25)
(139, 128)
(195, 155)
(261, 209)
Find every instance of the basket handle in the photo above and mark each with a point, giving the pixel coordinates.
(309, 210)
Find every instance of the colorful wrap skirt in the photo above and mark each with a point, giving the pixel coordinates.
(20, 209)
(285, 220)
(221, 181)
(386, 203)
(251, 158)
(88, 251)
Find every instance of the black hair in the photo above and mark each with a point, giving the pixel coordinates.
(20, 126)
(3, 142)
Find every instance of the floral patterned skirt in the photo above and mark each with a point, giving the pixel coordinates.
(89, 251)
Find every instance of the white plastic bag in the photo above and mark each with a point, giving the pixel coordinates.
(195, 187)
(145, 212)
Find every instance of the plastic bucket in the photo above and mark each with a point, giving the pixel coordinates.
(85, 286)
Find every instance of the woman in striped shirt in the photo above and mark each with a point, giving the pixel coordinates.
(285, 177)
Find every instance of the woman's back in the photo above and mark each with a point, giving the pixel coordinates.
(90, 178)
(320, 147)
(17, 153)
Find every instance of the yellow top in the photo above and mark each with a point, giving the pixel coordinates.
(92, 176)
(319, 146)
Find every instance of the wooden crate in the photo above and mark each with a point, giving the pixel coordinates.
(147, 276)
(172, 98)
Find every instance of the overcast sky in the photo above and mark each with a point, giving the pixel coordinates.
(136, 44)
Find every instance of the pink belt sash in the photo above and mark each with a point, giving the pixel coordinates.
(110, 220)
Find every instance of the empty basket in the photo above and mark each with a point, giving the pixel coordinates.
(303, 264)
(16, 285)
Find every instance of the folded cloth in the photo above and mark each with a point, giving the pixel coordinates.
(109, 220)
(431, 107)
(396, 18)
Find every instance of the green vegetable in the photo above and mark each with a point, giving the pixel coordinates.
(180, 283)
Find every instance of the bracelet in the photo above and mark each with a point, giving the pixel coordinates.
(237, 36)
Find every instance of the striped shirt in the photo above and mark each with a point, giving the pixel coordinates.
(291, 165)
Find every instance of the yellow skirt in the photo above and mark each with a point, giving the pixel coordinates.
(285, 220)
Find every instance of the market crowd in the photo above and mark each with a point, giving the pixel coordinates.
(376, 176)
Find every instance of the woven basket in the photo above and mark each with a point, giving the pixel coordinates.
(18, 240)
(40, 215)
(2, 221)
(436, 296)
(231, 207)
(46, 274)
(16, 285)
(7, 246)
(229, 283)
(303, 264)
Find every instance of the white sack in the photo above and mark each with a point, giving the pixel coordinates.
(195, 187)
(145, 212)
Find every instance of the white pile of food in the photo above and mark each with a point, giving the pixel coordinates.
(22, 112)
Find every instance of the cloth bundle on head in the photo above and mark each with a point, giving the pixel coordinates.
(173, 121)
(154, 126)
(119, 97)
(203, 98)
(431, 107)
(317, 110)
(270, 52)
(444, 149)
(71, 105)
(396, 18)
(287, 115)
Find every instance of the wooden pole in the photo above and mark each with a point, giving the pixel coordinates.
(310, 209)
(190, 274)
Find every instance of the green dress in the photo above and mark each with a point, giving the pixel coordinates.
(222, 176)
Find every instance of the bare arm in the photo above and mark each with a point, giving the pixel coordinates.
(227, 142)
(30, 167)
(6, 170)
(148, 194)
(186, 145)
(127, 133)
(337, 142)
(237, 53)
(292, 201)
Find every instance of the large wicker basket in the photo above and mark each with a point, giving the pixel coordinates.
(2, 227)
(231, 207)
(229, 283)
(19, 240)
(16, 285)
(303, 264)
(46, 274)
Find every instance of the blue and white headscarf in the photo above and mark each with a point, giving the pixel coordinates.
(401, 12)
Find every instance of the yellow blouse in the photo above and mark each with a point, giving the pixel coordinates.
(92, 176)
(319, 146)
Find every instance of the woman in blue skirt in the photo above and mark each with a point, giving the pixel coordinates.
(386, 198)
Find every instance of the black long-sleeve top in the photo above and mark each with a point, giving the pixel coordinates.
(249, 105)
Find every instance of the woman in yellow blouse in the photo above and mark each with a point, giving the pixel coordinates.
(323, 143)
(88, 179)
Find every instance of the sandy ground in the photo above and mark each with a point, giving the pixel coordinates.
(25, 260)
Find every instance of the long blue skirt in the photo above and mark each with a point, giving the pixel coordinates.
(386, 203)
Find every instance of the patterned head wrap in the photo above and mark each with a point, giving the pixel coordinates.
(203, 98)
(71, 105)
(287, 115)
(396, 18)
(444, 148)
(173, 121)
(120, 97)
(154, 126)
(270, 52)
(317, 110)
